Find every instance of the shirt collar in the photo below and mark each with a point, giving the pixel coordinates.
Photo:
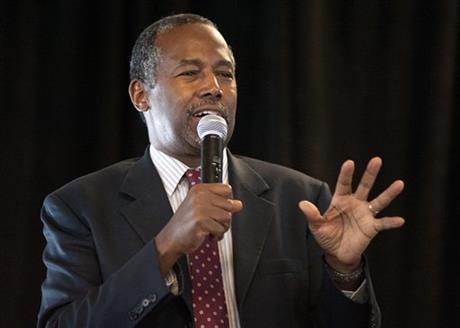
(172, 170)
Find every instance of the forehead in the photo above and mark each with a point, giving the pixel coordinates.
(193, 41)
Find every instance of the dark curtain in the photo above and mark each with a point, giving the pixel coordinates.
(319, 82)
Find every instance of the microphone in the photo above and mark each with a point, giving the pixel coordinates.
(212, 131)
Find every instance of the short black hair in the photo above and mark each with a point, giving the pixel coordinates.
(145, 55)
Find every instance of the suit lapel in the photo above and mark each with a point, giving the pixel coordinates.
(250, 226)
(150, 210)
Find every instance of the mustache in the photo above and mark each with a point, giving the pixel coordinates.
(208, 102)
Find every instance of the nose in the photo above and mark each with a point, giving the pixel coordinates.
(211, 86)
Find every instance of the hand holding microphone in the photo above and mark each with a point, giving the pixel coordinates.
(208, 207)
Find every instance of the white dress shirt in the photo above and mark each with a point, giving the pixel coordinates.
(172, 174)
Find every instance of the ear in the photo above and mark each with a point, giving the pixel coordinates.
(138, 94)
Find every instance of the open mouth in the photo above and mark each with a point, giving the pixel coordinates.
(203, 113)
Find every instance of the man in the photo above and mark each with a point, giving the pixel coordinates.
(124, 243)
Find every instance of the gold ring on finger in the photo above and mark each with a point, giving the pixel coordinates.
(372, 209)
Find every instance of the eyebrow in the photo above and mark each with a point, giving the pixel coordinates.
(197, 62)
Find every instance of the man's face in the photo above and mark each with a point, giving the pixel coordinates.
(195, 76)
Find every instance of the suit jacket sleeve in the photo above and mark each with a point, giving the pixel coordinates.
(74, 293)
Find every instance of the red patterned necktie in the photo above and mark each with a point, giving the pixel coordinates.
(208, 297)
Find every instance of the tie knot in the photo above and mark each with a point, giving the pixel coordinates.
(193, 176)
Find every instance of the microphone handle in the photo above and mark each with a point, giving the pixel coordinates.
(211, 159)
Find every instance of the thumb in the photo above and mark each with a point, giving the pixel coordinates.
(310, 211)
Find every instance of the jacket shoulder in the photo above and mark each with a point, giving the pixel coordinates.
(276, 172)
(103, 180)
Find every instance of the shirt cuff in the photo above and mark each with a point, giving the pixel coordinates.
(172, 282)
(360, 295)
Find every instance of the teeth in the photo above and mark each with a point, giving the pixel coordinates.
(204, 113)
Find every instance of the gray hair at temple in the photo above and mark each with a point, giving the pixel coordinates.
(145, 55)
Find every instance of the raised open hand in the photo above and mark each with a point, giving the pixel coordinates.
(346, 228)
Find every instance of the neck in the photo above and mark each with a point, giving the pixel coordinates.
(190, 161)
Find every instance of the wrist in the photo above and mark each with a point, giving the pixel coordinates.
(167, 257)
(341, 266)
(349, 278)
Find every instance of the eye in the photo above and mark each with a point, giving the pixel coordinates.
(225, 74)
(189, 73)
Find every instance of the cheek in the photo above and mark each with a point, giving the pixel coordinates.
(179, 99)
(231, 95)
(231, 102)
(173, 104)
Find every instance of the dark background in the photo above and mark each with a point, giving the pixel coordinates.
(319, 82)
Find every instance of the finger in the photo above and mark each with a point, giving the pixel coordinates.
(387, 196)
(220, 189)
(311, 212)
(368, 178)
(218, 215)
(237, 205)
(230, 205)
(388, 223)
(213, 222)
(217, 226)
(343, 186)
(218, 195)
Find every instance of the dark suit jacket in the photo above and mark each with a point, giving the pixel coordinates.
(102, 268)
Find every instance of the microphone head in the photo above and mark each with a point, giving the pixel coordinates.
(212, 124)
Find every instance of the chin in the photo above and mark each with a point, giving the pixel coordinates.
(196, 147)
(192, 139)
